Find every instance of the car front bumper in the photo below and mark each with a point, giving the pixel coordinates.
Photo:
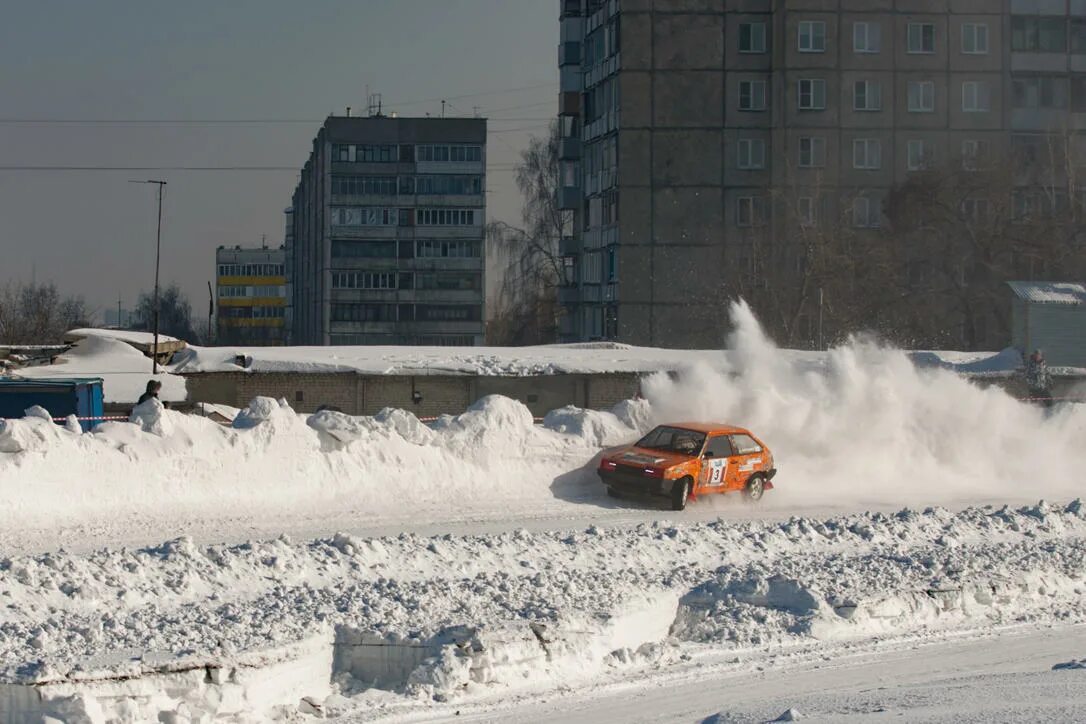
(635, 482)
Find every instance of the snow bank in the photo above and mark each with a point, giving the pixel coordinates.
(274, 462)
(462, 617)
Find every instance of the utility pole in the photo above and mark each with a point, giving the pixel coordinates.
(210, 312)
(158, 256)
(119, 325)
(820, 338)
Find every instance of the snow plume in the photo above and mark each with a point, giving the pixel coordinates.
(864, 426)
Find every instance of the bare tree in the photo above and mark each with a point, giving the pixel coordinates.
(174, 315)
(528, 261)
(38, 314)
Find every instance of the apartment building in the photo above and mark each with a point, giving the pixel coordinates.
(386, 241)
(252, 296)
(681, 118)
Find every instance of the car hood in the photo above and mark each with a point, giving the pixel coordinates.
(633, 455)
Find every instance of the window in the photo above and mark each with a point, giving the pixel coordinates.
(921, 96)
(921, 38)
(974, 38)
(364, 280)
(745, 445)
(976, 210)
(365, 185)
(250, 270)
(446, 248)
(1033, 34)
(866, 37)
(1041, 91)
(719, 446)
(447, 313)
(462, 281)
(341, 153)
(364, 216)
(812, 94)
(752, 95)
(916, 155)
(812, 36)
(752, 38)
(1078, 93)
(867, 95)
(751, 153)
(974, 154)
(447, 184)
(363, 312)
(805, 211)
(866, 212)
(445, 217)
(1078, 35)
(867, 154)
(750, 211)
(975, 97)
(376, 154)
(453, 154)
(812, 152)
(672, 439)
(363, 249)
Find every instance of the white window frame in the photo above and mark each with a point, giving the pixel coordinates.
(872, 95)
(863, 219)
(754, 84)
(871, 151)
(922, 86)
(974, 150)
(919, 29)
(756, 48)
(806, 211)
(755, 208)
(980, 102)
(816, 152)
(750, 154)
(806, 31)
(916, 154)
(813, 84)
(872, 41)
(976, 32)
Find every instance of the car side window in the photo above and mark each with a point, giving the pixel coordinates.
(719, 446)
(745, 445)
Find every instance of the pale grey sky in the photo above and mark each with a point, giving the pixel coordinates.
(92, 232)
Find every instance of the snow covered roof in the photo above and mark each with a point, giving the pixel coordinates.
(139, 338)
(124, 370)
(589, 358)
(1050, 292)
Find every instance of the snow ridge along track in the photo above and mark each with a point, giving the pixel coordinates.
(395, 622)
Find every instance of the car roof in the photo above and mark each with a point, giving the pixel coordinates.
(708, 427)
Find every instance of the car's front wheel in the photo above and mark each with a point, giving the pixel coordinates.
(680, 494)
(755, 488)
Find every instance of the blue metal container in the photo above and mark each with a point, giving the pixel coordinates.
(81, 397)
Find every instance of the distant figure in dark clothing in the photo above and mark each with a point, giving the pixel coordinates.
(153, 386)
(1037, 378)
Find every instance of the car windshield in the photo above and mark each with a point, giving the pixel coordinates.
(673, 439)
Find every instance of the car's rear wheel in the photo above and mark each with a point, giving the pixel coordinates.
(680, 494)
(755, 488)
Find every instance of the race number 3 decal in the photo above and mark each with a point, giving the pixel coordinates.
(716, 470)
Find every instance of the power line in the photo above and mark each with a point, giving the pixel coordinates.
(294, 169)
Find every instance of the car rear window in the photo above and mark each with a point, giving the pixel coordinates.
(745, 444)
(673, 439)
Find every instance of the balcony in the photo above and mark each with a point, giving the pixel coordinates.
(569, 53)
(569, 197)
(569, 149)
(569, 246)
(569, 104)
(569, 296)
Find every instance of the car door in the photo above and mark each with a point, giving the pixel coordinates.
(746, 460)
(715, 463)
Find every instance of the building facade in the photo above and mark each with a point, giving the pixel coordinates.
(251, 296)
(388, 227)
(686, 121)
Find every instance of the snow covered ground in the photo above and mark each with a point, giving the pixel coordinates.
(367, 568)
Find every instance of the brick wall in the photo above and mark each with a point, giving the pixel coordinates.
(606, 391)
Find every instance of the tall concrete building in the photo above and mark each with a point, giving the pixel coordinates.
(680, 116)
(252, 296)
(387, 233)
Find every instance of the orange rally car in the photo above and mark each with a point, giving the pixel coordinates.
(687, 459)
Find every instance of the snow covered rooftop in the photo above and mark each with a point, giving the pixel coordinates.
(124, 370)
(587, 358)
(1050, 292)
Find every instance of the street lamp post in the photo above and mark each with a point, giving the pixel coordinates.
(158, 255)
